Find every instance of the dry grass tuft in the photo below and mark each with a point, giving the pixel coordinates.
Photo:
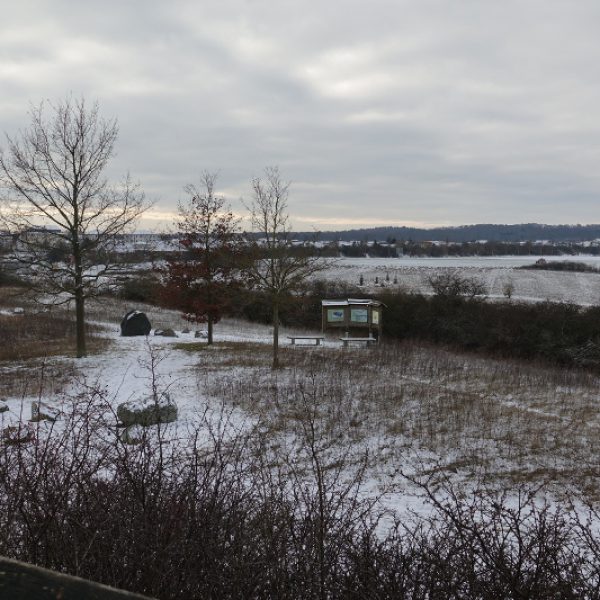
(235, 354)
(39, 335)
(37, 377)
(495, 421)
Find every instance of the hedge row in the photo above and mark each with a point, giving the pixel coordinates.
(559, 332)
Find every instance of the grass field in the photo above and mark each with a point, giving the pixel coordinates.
(420, 409)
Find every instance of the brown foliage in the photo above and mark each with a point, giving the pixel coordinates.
(199, 280)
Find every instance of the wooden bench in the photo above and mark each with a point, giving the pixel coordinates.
(316, 338)
(368, 341)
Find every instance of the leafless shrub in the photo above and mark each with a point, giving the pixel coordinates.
(453, 284)
(278, 507)
(212, 517)
(508, 288)
(507, 545)
(203, 517)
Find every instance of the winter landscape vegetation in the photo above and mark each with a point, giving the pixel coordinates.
(299, 300)
(161, 434)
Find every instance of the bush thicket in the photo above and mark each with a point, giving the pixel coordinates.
(144, 288)
(559, 332)
(301, 309)
(217, 517)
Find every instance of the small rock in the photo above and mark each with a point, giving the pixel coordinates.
(3, 406)
(165, 333)
(18, 310)
(186, 330)
(18, 434)
(201, 334)
(43, 412)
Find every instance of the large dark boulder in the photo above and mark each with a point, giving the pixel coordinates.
(135, 323)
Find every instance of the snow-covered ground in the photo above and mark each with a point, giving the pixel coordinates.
(411, 274)
(420, 410)
(197, 382)
(424, 411)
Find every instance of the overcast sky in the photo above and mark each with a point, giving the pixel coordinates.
(418, 112)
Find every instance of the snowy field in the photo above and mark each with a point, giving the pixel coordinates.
(423, 411)
(412, 274)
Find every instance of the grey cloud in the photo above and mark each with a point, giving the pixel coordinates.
(434, 111)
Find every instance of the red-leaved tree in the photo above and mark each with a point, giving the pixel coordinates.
(200, 279)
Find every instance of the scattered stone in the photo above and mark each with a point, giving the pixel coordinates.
(165, 333)
(147, 412)
(135, 323)
(201, 334)
(132, 435)
(43, 412)
(186, 330)
(18, 434)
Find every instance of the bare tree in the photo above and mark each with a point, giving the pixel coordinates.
(279, 267)
(61, 199)
(451, 284)
(508, 288)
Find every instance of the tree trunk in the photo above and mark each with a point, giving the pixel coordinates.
(275, 333)
(210, 329)
(79, 295)
(80, 322)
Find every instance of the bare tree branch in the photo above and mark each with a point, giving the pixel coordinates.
(278, 268)
(54, 173)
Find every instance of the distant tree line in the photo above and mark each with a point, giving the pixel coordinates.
(387, 249)
(468, 233)
(495, 248)
(374, 249)
(393, 248)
